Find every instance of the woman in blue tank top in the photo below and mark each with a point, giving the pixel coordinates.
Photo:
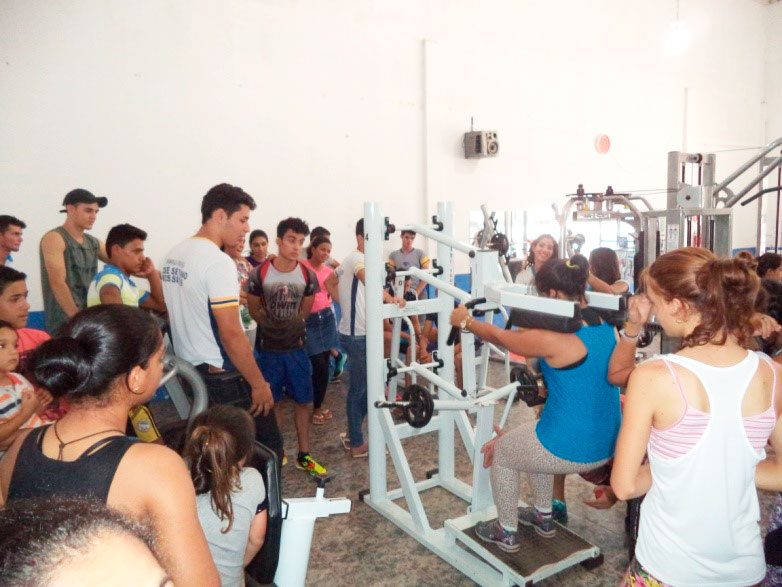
(579, 423)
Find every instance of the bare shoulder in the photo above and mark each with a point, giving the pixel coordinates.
(650, 375)
(8, 462)
(155, 460)
(52, 241)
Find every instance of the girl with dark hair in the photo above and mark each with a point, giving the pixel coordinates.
(107, 360)
(703, 415)
(580, 419)
(321, 325)
(769, 266)
(259, 247)
(228, 494)
(604, 274)
(542, 249)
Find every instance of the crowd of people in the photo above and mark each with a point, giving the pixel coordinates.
(688, 430)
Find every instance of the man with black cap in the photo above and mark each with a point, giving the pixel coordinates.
(69, 258)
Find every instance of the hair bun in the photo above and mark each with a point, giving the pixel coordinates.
(579, 263)
(60, 365)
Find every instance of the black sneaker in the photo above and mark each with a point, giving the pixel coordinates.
(493, 532)
(543, 523)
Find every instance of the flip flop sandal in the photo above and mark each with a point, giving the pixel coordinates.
(602, 499)
(327, 415)
(319, 419)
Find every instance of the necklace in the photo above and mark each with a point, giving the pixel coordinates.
(64, 444)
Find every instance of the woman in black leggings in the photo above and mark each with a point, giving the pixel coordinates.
(321, 325)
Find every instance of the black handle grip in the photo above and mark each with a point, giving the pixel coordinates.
(454, 334)
(474, 302)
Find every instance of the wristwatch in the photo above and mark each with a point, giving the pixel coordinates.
(465, 324)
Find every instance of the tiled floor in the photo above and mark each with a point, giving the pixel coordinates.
(363, 548)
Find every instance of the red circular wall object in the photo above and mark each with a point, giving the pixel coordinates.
(602, 144)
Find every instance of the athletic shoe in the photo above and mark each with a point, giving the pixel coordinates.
(307, 463)
(493, 532)
(339, 366)
(543, 523)
(559, 511)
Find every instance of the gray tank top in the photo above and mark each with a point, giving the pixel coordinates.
(81, 265)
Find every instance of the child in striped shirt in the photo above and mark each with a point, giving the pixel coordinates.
(21, 406)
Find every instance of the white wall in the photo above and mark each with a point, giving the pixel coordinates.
(314, 107)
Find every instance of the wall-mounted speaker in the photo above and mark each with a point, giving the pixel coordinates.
(481, 143)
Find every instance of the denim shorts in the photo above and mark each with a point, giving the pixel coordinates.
(321, 332)
(288, 370)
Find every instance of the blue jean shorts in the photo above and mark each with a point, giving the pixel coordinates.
(321, 332)
(288, 370)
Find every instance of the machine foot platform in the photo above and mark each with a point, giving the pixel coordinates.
(538, 557)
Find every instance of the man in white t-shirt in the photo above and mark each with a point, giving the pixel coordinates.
(202, 296)
(352, 330)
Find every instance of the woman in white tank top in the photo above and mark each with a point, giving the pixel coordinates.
(703, 415)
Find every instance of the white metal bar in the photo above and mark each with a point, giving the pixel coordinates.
(407, 369)
(441, 237)
(413, 308)
(404, 430)
(441, 284)
(481, 486)
(497, 394)
(374, 234)
(515, 295)
(439, 381)
(445, 438)
(467, 433)
(420, 486)
(402, 467)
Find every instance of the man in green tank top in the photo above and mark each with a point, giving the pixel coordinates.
(69, 258)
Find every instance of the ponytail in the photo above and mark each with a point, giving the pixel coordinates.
(221, 437)
(568, 276)
(723, 291)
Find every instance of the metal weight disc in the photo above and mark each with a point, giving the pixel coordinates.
(420, 408)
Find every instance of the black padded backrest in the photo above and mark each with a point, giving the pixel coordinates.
(263, 566)
(265, 460)
(530, 319)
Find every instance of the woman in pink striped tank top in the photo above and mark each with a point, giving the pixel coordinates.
(703, 415)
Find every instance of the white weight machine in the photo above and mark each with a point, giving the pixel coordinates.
(445, 409)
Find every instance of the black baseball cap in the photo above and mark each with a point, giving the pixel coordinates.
(81, 196)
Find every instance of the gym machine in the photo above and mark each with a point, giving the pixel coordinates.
(443, 408)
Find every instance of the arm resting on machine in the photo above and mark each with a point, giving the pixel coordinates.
(239, 352)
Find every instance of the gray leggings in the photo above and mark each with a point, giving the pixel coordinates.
(520, 450)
